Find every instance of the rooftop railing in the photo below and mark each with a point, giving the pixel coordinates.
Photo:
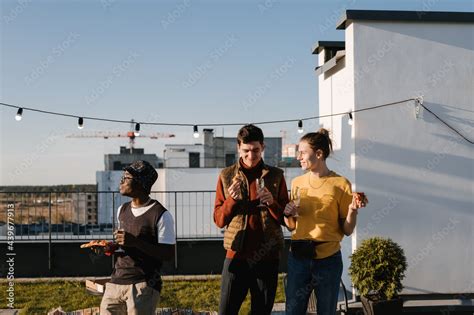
(79, 216)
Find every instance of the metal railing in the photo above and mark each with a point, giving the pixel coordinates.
(78, 216)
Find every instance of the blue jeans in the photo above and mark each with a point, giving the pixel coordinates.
(305, 275)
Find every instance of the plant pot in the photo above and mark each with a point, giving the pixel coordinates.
(382, 307)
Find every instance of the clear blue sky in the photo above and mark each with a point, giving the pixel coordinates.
(172, 61)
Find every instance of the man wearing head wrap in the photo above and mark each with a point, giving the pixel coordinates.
(146, 235)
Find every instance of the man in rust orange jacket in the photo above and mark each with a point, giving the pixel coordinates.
(252, 218)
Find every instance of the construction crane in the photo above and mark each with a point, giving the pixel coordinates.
(131, 135)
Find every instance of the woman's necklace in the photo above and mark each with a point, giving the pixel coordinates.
(324, 181)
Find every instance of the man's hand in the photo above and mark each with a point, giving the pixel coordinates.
(265, 196)
(235, 190)
(125, 239)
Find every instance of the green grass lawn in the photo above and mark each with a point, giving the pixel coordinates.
(40, 297)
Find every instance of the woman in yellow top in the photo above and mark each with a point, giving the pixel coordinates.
(321, 212)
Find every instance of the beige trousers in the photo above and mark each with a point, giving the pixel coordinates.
(136, 299)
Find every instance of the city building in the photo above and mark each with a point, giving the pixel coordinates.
(85, 207)
(116, 162)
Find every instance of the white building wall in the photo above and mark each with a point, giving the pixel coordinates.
(417, 173)
(336, 95)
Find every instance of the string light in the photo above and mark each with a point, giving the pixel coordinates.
(207, 124)
(137, 130)
(19, 114)
(195, 132)
(80, 123)
(300, 126)
(351, 120)
(418, 104)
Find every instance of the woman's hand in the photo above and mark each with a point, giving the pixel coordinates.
(291, 210)
(359, 200)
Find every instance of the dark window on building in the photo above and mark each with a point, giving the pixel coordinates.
(229, 159)
(89, 197)
(331, 53)
(117, 166)
(193, 159)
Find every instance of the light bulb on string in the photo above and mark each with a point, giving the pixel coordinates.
(195, 132)
(300, 126)
(80, 123)
(137, 130)
(19, 114)
(418, 102)
(351, 119)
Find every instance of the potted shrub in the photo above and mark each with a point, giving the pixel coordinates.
(377, 270)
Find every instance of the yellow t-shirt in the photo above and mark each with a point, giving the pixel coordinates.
(324, 201)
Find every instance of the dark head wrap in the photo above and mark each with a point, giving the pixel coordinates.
(144, 173)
